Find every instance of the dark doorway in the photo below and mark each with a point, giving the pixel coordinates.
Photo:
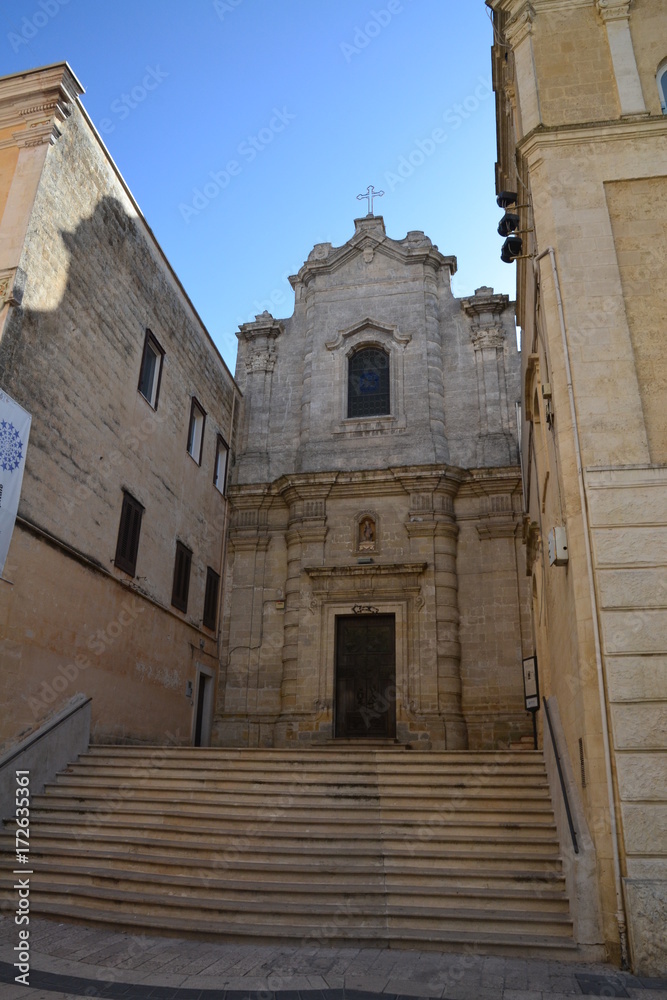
(365, 676)
(202, 692)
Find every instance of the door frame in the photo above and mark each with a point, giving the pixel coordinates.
(391, 734)
(406, 654)
(204, 676)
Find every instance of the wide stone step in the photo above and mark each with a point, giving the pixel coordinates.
(226, 837)
(108, 858)
(311, 850)
(365, 845)
(317, 783)
(214, 808)
(363, 911)
(278, 894)
(496, 943)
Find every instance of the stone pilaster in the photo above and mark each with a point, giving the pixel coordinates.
(519, 35)
(616, 17)
(433, 534)
(258, 348)
(496, 444)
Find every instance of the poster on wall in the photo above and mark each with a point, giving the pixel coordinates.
(14, 432)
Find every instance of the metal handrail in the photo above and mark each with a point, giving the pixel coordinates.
(568, 811)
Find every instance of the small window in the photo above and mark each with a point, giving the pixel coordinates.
(211, 598)
(220, 471)
(196, 431)
(368, 383)
(127, 545)
(151, 370)
(181, 587)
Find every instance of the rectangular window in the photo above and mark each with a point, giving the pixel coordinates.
(151, 370)
(220, 471)
(211, 598)
(127, 545)
(181, 587)
(196, 431)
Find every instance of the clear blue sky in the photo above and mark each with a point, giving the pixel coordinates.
(310, 101)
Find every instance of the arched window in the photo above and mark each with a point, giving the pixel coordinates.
(368, 383)
(661, 77)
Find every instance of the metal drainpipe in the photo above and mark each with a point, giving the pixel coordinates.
(620, 910)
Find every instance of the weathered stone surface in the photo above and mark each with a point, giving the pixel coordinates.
(435, 475)
(646, 901)
(71, 353)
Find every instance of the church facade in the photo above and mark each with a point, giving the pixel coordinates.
(373, 585)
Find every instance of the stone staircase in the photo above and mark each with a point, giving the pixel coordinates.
(371, 847)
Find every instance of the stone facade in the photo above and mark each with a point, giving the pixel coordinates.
(82, 280)
(411, 513)
(583, 141)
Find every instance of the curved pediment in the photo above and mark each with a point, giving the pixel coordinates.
(370, 239)
(369, 327)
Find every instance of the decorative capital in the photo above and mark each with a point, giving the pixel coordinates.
(613, 10)
(485, 309)
(488, 337)
(521, 25)
(260, 361)
(12, 283)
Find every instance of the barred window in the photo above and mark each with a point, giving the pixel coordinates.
(368, 383)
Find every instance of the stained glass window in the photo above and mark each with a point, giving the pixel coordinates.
(368, 383)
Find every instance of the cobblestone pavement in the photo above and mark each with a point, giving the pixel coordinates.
(69, 961)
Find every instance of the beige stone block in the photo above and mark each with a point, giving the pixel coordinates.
(634, 631)
(636, 678)
(639, 726)
(629, 546)
(633, 588)
(642, 775)
(646, 902)
(643, 503)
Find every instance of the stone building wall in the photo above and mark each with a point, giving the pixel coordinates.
(93, 282)
(436, 476)
(583, 141)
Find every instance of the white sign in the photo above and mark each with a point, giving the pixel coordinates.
(14, 432)
(530, 688)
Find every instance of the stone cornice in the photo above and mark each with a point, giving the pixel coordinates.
(490, 482)
(511, 8)
(382, 580)
(485, 306)
(263, 327)
(614, 130)
(34, 102)
(520, 26)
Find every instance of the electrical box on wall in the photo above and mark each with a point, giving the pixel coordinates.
(557, 547)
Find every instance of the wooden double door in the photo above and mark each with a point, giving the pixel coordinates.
(365, 676)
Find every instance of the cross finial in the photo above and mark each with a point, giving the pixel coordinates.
(370, 194)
